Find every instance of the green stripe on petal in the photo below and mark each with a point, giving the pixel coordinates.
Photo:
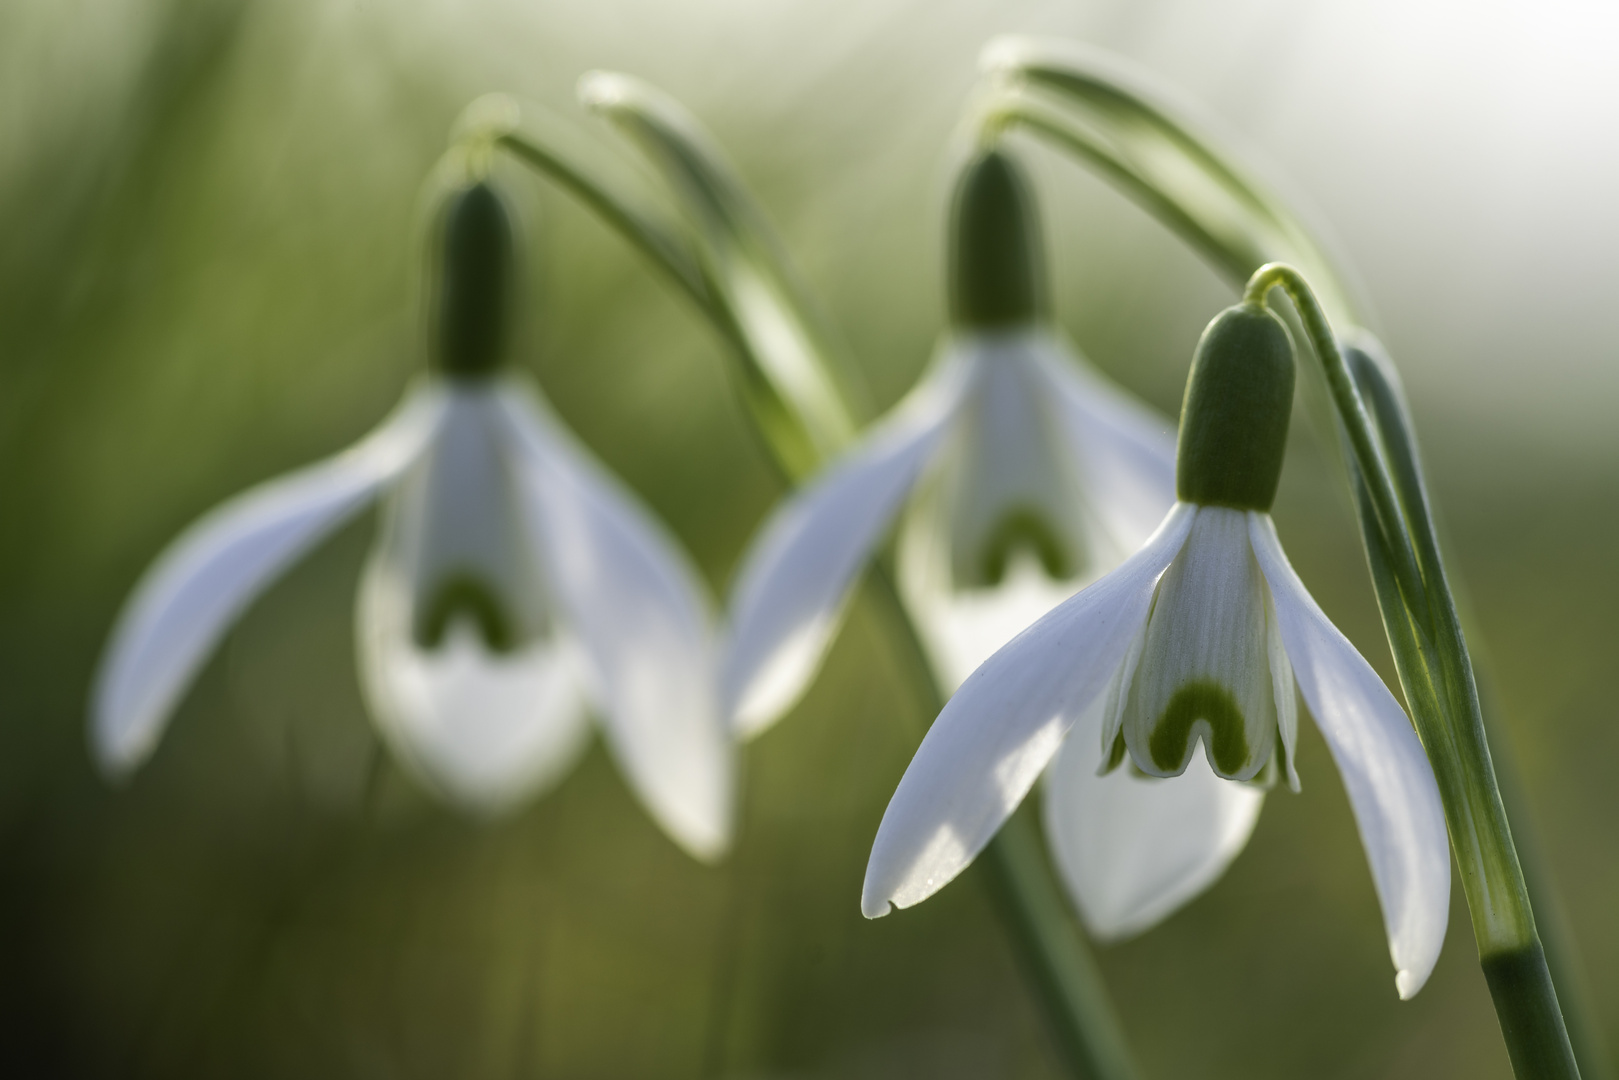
(1024, 528)
(464, 596)
(1206, 703)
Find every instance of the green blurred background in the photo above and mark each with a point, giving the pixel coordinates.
(208, 227)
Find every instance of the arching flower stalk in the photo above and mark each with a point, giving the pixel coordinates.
(515, 589)
(1195, 641)
(1027, 476)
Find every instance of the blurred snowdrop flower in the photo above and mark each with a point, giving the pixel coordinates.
(1027, 476)
(1197, 638)
(515, 588)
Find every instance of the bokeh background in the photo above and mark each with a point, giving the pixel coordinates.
(208, 227)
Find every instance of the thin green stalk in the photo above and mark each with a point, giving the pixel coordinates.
(661, 245)
(1016, 110)
(1435, 669)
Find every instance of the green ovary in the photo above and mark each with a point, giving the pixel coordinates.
(1197, 700)
(463, 595)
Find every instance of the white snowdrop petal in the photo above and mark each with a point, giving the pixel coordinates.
(636, 607)
(791, 591)
(1286, 692)
(1390, 783)
(206, 577)
(1133, 849)
(1002, 727)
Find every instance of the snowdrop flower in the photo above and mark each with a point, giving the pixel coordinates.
(1027, 476)
(1197, 639)
(515, 587)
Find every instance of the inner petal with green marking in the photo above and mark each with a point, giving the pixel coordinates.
(1011, 490)
(459, 539)
(1204, 675)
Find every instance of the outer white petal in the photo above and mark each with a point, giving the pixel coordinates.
(1125, 451)
(204, 580)
(963, 628)
(636, 607)
(1001, 728)
(1133, 849)
(1285, 692)
(1390, 783)
(791, 591)
(485, 728)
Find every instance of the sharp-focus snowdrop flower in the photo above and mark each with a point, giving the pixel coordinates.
(1027, 476)
(1197, 639)
(515, 589)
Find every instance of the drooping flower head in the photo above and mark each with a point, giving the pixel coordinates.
(515, 589)
(1188, 654)
(1027, 476)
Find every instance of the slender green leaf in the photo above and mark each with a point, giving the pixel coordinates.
(791, 369)
(609, 183)
(1090, 104)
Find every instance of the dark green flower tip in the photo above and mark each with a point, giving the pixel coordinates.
(997, 266)
(1239, 398)
(474, 289)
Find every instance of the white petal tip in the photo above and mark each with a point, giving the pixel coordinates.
(1408, 982)
(711, 854)
(116, 769)
(708, 846)
(116, 760)
(1111, 932)
(873, 908)
(766, 691)
(754, 717)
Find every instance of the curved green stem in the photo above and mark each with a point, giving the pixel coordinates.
(1435, 669)
(1017, 111)
(657, 242)
(1352, 412)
